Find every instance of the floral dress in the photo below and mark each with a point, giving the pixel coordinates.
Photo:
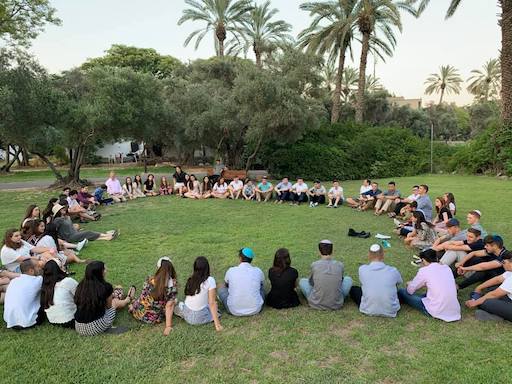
(146, 308)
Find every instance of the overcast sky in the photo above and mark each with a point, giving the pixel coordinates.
(90, 27)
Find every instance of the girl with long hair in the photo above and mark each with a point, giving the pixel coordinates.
(149, 186)
(193, 188)
(283, 279)
(49, 238)
(97, 301)
(220, 189)
(206, 188)
(423, 234)
(449, 198)
(443, 214)
(32, 230)
(32, 213)
(200, 305)
(57, 296)
(128, 189)
(158, 296)
(138, 186)
(47, 212)
(165, 187)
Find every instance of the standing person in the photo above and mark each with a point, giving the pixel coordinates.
(386, 199)
(33, 212)
(317, 194)
(355, 202)
(283, 281)
(138, 187)
(283, 191)
(68, 232)
(440, 301)
(22, 308)
(180, 179)
(200, 305)
(97, 301)
(423, 234)
(249, 191)
(220, 189)
(327, 286)
(264, 190)
(449, 199)
(99, 195)
(378, 295)
(58, 296)
(424, 202)
(114, 188)
(300, 192)
(443, 214)
(218, 170)
(193, 188)
(243, 293)
(128, 189)
(149, 186)
(400, 203)
(165, 187)
(158, 297)
(206, 188)
(235, 188)
(335, 195)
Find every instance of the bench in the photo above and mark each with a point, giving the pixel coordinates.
(229, 174)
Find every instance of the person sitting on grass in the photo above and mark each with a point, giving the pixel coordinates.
(264, 190)
(400, 203)
(114, 188)
(299, 192)
(47, 212)
(99, 195)
(449, 199)
(220, 189)
(453, 233)
(283, 191)
(335, 195)
(128, 188)
(424, 202)
(65, 191)
(317, 194)
(138, 187)
(327, 287)
(165, 187)
(235, 188)
(33, 212)
(179, 178)
(5, 278)
(355, 202)
(473, 219)
(423, 235)
(440, 301)
(22, 305)
(386, 200)
(97, 301)
(150, 189)
(58, 295)
(74, 208)
(206, 188)
(406, 226)
(249, 191)
(482, 265)
(49, 239)
(497, 303)
(456, 250)
(31, 232)
(242, 293)
(283, 280)
(193, 188)
(369, 198)
(158, 296)
(85, 199)
(377, 295)
(200, 305)
(443, 215)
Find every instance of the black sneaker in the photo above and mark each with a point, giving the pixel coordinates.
(352, 233)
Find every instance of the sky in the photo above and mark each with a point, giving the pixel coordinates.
(465, 41)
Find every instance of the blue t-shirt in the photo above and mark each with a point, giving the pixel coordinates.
(98, 193)
(372, 193)
(264, 187)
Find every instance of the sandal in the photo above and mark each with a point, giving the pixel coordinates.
(131, 292)
(118, 293)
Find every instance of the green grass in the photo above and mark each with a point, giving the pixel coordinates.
(299, 345)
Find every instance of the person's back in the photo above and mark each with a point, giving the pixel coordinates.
(326, 278)
(379, 286)
(244, 286)
(63, 308)
(283, 294)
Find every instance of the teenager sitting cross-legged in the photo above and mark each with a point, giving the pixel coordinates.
(386, 200)
(356, 201)
(264, 190)
(283, 280)
(317, 194)
(235, 188)
(335, 195)
(300, 192)
(283, 191)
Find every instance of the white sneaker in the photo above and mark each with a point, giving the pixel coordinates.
(81, 244)
(382, 237)
(397, 222)
(316, 204)
(311, 205)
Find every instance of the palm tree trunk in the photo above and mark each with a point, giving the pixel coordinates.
(257, 53)
(442, 95)
(362, 78)
(506, 60)
(220, 32)
(336, 98)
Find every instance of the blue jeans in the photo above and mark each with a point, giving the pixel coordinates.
(306, 287)
(414, 301)
(223, 294)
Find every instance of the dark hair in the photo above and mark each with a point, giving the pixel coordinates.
(413, 204)
(30, 229)
(162, 182)
(451, 199)
(415, 186)
(48, 210)
(26, 265)
(59, 213)
(66, 189)
(429, 255)
(443, 203)
(161, 279)
(325, 249)
(420, 218)
(507, 255)
(368, 181)
(490, 239)
(206, 186)
(190, 183)
(8, 241)
(138, 182)
(93, 291)
(244, 258)
(103, 186)
(73, 192)
(176, 169)
(200, 274)
(28, 213)
(51, 230)
(425, 186)
(52, 274)
(475, 231)
(129, 185)
(281, 260)
(392, 183)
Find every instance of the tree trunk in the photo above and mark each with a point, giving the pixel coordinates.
(251, 158)
(220, 32)
(336, 98)
(76, 159)
(362, 77)
(257, 53)
(442, 95)
(506, 61)
(57, 174)
(7, 166)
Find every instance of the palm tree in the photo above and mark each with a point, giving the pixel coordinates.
(486, 82)
(221, 17)
(331, 32)
(328, 75)
(349, 83)
(375, 16)
(446, 81)
(373, 84)
(505, 22)
(263, 34)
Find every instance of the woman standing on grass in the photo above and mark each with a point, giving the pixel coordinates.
(97, 301)
(200, 306)
(33, 212)
(283, 279)
(158, 297)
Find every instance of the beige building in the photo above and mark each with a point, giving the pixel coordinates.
(401, 101)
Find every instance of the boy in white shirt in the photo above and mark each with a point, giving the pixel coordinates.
(335, 195)
(317, 194)
(283, 191)
(299, 192)
(235, 188)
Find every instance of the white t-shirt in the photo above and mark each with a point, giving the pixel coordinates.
(364, 189)
(10, 255)
(298, 188)
(336, 191)
(507, 284)
(200, 300)
(413, 197)
(46, 241)
(236, 185)
(22, 301)
(451, 207)
(72, 202)
(220, 188)
(64, 307)
(244, 285)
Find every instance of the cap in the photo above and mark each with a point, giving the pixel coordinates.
(453, 222)
(56, 208)
(326, 242)
(247, 252)
(375, 248)
(159, 262)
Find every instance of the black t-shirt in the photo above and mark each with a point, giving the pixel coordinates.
(85, 314)
(476, 246)
(283, 294)
(179, 177)
(444, 210)
(149, 184)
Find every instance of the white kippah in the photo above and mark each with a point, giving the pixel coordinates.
(375, 248)
(478, 212)
(326, 242)
(159, 262)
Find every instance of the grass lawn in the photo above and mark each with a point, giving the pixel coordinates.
(296, 346)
